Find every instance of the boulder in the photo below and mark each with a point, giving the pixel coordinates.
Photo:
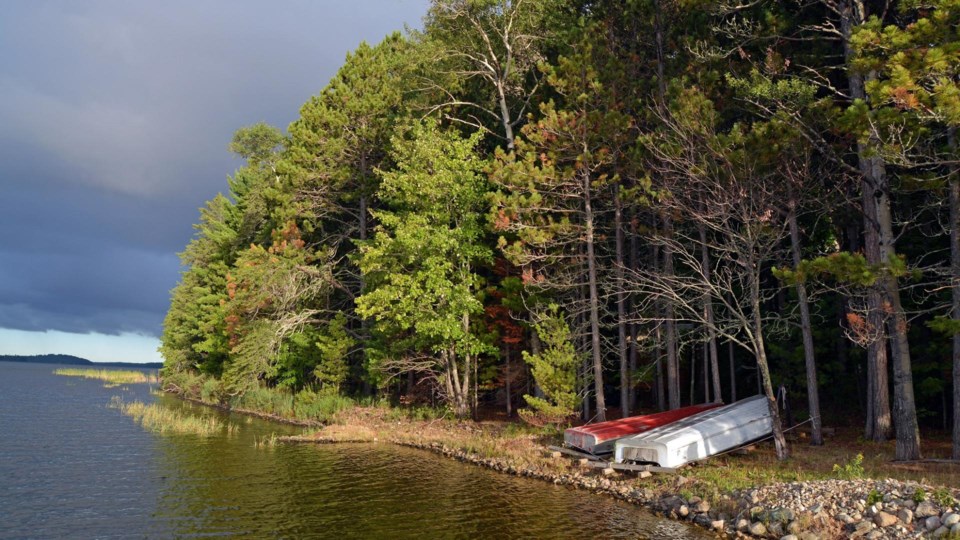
(932, 523)
(883, 519)
(950, 519)
(757, 529)
(700, 506)
(905, 515)
(926, 509)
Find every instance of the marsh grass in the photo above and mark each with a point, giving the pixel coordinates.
(160, 419)
(113, 377)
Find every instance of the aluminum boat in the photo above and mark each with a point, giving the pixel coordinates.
(599, 438)
(699, 436)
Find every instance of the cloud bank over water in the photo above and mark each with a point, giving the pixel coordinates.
(114, 122)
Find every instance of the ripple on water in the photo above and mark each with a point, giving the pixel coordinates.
(73, 467)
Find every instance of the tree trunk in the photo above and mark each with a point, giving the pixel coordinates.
(955, 290)
(872, 168)
(632, 327)
(711, 347)
(670, 329)
(733, 373)
(813, 393)
(621, 306)
(506, 356)
(783, 451)
(594, 303)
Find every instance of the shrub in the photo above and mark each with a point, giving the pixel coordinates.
(874, 497)
(319, 406)
(919, 495)
(212, 392)
(852, 470)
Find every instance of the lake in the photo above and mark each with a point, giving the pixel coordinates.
(72, 466)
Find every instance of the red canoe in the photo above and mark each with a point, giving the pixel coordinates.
(599, 438)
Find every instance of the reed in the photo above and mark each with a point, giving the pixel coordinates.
(164, 420)
(111, 376)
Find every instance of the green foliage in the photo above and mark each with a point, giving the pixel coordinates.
(555, 370)
(874, 497)
(943, 497)
(421, 266)
(334, 344)
(319, 406)
(851, 470)
(919, 495)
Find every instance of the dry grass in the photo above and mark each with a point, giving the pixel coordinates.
(160, 419)
(114, 377)
(522, 446)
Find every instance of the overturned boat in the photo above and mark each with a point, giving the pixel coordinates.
(599, 438)
(699, 436)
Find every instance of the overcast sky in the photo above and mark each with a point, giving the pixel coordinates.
(114, 122)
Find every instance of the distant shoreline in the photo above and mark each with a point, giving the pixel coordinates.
(69, 360)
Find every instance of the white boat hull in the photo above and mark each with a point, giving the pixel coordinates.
(699, 436)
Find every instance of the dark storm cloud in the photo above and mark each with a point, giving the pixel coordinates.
(114, 119)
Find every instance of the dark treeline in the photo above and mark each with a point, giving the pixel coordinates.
(573, 205)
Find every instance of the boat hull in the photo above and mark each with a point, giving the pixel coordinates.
(599, 438)
(699, 436)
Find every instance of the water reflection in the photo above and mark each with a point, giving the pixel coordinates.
(141, 484)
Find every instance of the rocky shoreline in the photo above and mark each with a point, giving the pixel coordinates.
(812, 510)
(864, 508)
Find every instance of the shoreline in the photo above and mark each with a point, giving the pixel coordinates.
(802, 510)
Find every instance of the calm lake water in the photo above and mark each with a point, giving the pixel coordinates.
(71, 466)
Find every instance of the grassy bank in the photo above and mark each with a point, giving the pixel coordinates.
(304, 407)
(111, 376)
(160, 419)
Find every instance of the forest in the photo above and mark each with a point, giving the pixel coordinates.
(562, 208)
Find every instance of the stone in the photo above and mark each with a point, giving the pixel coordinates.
(950, 519)
(789, 537)
(861, 529)
(757, 529)
(873, 535)
(743, 525)
(683, 510)
(644, 474)
(793, 527)
(883, 519)
(909, 503)
(941, 531)
(955, 529)
(816, 509)
(932, 523)
(809, 536)
(702, 520)
(717, 524)
(925, 509)
(844, 518)
(608, 471)
(905, 515)
(700, 506)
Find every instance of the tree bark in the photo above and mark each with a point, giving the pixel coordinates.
(878, 238)
(621, 306)
(669, 323)
(780, 443)
(733, 373)
(708, 314)
(806, 328)
(632, 327)
(594, 303)
(955, 289)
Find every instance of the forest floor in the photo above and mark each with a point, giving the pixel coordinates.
(738, 494)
